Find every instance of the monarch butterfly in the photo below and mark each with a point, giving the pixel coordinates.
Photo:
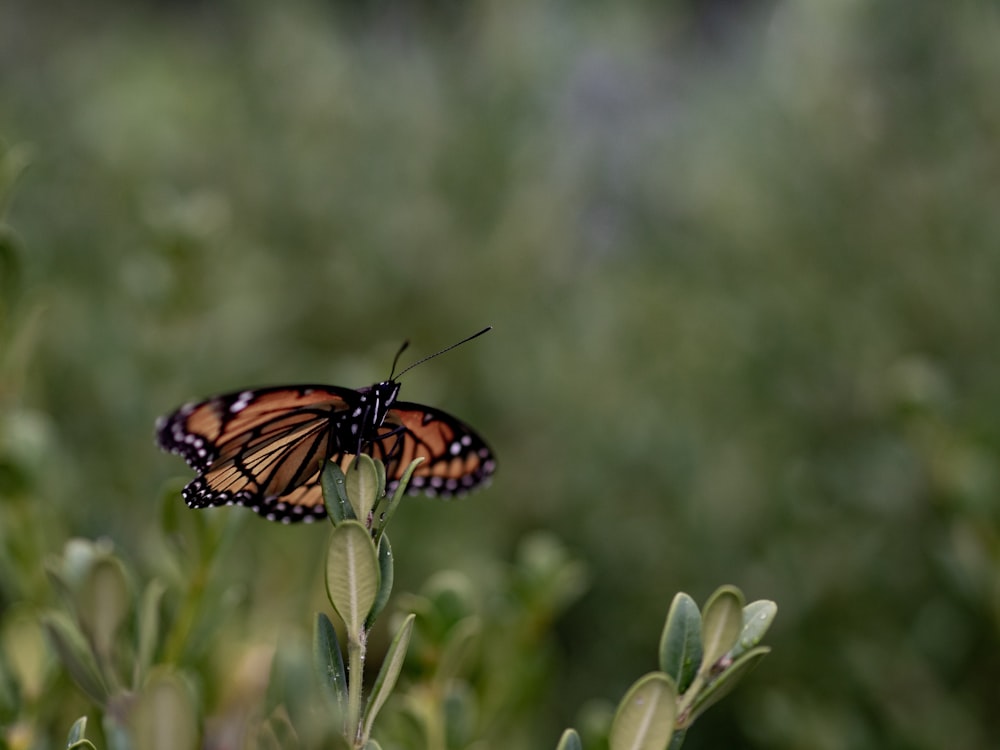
(265, 448)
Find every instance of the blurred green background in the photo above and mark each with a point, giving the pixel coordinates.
(742, 260)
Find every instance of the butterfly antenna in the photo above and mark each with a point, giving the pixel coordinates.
(395, 360)
(431, 356)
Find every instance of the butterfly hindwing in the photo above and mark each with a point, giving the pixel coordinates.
(456, 459)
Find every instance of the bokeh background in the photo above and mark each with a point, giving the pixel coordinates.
(742, 260)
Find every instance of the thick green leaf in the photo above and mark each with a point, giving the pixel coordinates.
(725, 682)
(149, 628)
(77, 732)
(389, 673)
(457, 648)
(352, 574)
(275, 693)
(291, 685)
(386, 577)
(104, 602)
(13, 161)
(10, 266)
(680, 642)
(645, 716)
(164, 716)
(380, 478)
(722, 621)
(76, 656)
(677, 740)
(389, 508)
(334, 485)
(363, 487)
(59, 583)
(26, 656)
(329, 661)
(570, 740)
(757, 619)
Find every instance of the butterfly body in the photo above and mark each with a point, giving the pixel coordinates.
(264, 448)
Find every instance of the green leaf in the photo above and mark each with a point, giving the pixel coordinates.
(757, 619)
(329, 661)
(389, 673)
(26, 655)
(725, 682)
(291, 685)
(570, 740)
(722, 621)
(680, 643)
(76, 656)
(372, 745)
(397, 496)
(82, 745)
(645, 716)
(104, 603)
(380, 479)
(352, 574)
(386, 577)
(10, 267)
(149, 628)
(334, 485)
(164, 715)
(57, 580)
(457, 648)
(363, 487)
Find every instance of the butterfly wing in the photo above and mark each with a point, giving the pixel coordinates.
(456, 459)
(262, 448)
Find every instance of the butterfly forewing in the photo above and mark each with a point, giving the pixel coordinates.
(220, 427)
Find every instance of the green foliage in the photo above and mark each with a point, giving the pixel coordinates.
(153, 706)
(702, 656)
(743, 273)
(719, 646)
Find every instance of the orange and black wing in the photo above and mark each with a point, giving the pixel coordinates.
(456, 459)
(262, 448)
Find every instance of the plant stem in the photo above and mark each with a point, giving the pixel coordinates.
(355, 681)
(687, 700)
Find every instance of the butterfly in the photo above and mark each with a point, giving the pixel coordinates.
(265, 448)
